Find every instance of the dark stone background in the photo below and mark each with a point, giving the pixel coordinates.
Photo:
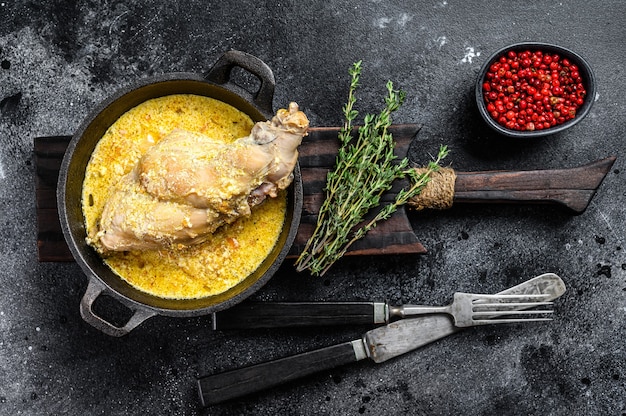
(60, 58)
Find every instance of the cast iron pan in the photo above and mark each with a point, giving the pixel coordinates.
(218, 84)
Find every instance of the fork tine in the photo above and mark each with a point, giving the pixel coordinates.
(470, 309)
(508, 321)
(486, 315)
(506, 306)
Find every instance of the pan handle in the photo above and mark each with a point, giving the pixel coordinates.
(95, 289)
(221, 72)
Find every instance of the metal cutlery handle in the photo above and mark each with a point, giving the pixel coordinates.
(300, 314)
(407, 335)
(220, 387)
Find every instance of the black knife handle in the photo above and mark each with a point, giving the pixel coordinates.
(299, 314)
(220, 387)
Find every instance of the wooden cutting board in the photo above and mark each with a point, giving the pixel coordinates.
(395, 236)
(572, 188)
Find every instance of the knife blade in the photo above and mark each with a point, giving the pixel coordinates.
(379, 344)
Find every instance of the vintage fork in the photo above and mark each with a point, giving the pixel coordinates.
(469, 309)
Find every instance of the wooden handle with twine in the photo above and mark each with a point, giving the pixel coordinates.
(438, 192)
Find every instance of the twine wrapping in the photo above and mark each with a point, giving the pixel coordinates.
(438, 192)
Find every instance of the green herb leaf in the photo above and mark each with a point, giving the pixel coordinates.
(365, 169)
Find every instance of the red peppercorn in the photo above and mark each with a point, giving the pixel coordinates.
(533, 90)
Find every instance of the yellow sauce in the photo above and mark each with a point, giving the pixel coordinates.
(231, 253)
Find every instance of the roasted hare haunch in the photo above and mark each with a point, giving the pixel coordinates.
(188, 185)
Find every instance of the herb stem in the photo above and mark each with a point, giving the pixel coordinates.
(365, 168)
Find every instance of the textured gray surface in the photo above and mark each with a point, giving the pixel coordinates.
(59, 59)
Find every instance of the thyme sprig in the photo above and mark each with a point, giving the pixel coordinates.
(365, 169)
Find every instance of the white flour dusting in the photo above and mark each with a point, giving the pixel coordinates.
(470, 54)
(403, 19)
(384, 21)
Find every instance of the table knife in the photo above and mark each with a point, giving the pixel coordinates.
(379, 344)
(301, 314)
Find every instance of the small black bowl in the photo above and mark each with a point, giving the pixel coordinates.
(588, 80)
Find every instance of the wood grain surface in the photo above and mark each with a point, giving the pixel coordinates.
(317, 156)
(571, 188)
